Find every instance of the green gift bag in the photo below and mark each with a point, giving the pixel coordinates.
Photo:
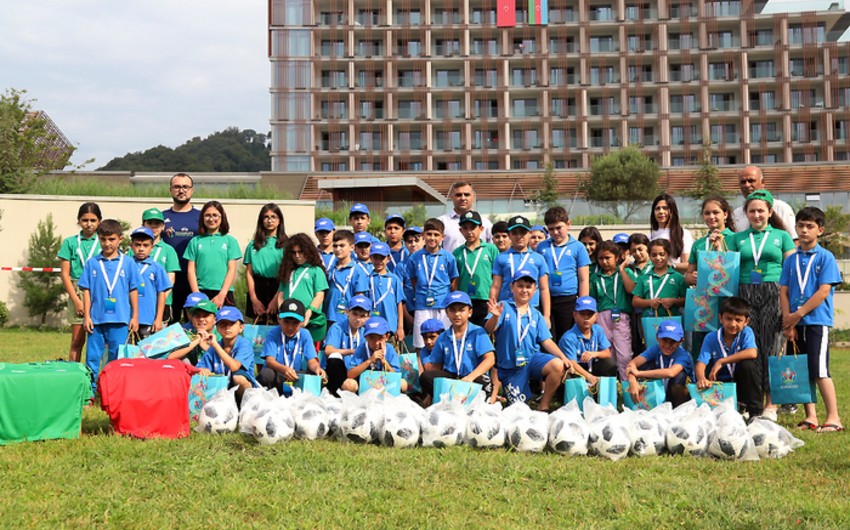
(42, 401)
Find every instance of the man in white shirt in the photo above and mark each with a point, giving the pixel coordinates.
(463, 200)
(750, 179)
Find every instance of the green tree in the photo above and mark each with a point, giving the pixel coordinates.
(27, 147)
(43, 291)
(621, 181)
(706, 183)
(837, 225)
(547, 196)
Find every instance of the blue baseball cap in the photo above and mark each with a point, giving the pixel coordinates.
(142, 231)
(670, 329)
(324, 224)
(229, 314)
(194, 299)
(458, 297)
(376, 326)
(396, 218)
(363, 238)
(417, 230)
(358, 208)
(539, 228)
(524, 273)
(292, 308)
(432, 325)
(586, 303)
(622, 237)
(380, 249)
(360, 302)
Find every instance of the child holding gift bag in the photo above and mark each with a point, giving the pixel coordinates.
(289, 349)
(375, 354)
(344, 337)
(668, 361)
(233, 355)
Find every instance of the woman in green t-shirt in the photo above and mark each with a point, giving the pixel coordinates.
(302, 276)
(262, 260)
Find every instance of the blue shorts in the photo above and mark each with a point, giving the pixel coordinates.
(516, 380)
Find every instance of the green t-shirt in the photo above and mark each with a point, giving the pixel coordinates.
(770, 261)
(165, 255)
(652, 285)
(304, 283)
(211, 254)
(702, 245)
(476, 283)
(266, 261)
(609, 292)
(77, 250)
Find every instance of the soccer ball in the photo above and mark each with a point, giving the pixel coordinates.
(772, 440)
(254, 400)
(401, 429)
(333, 407)
(484, 428)
(528, 432)
(311, 420)
(445, 426)
(361, 424)
(647, 435)
(687, 438)
(729, 442)
(219, 414)
(273, 425)
(568, 434)
(609, 438)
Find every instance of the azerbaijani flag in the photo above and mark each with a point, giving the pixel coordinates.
(538, 12)
(506, 14)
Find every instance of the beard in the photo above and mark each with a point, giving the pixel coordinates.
(181, 202)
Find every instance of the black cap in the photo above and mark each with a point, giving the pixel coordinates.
(470, 217)
(292, 308)
(518, 221)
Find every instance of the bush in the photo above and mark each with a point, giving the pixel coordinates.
(4, 314)
(597, 220)
(43, 292)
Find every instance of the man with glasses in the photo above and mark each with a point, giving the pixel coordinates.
(181, 225)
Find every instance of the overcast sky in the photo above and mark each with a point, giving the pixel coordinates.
(119, 76)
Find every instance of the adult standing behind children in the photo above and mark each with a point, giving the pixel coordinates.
(751, 179)
(463, 200)
(181, 225)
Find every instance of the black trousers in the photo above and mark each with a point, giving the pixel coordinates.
(336, 373)
(479, 312)
(748, 384)
(266, 289)
(562, 315)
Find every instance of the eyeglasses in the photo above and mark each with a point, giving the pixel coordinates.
(211, 216)
(270, 218)
(183, 187)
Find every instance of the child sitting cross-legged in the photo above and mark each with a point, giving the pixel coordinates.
(586, 345)
(233, 356)
(372, 354)
(668, 361)
(464, 351)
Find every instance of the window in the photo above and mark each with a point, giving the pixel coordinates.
(334, 110)
(724, 8)
(334, 79)
(525, 139)
(410, 109)
(841, 128)
(721, 102)
(446, 47)
(334, 166)
(517, 163)
(797, 34)
(764, 132)
(524, 108)
(368, 17)
(561, 76)
(409, 48)
(762, 69)
(448, 78)
(370, 78)
(563, 138)
(641, 105)
(527, 45)
(561, 14)
(369, 48)
(803, 98)
(796, 67)
(485, 139)
(371, 141)
(603, 44)
(448, 165)
(763, 100)
(445, 16)
(485, 47)
(804, 131)
(682, 41)
(524, 77)
(291, 74)
(723, 71)
(720, 39)
(599, 75)
(481, 16)
(642, 136)
(601, 13)
(334, 141)
(562, 107)
(604, 106)
(486, 164)
(409, 140)
(411, 17)
(562, 45)
(448, 108)
(684, 72)
(724, 134)
(291, 43)
(637, 11)
(604, 138)
(333, 48)
(410, 78)
(485, 108)
(763, 159)
(370, 166)
(641, 73)
(486, 78)
(762, 37)
(447, 140)
(684, 103)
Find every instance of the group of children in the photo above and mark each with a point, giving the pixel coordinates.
(518, 315)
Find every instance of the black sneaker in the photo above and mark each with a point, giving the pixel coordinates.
(788, 409)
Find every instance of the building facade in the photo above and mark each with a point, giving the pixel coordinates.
(384, 86)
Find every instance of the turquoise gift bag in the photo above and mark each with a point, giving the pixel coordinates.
(714, 395)
(310, 383)
(701, 312)
(389, 382)
(606, 391)
(202, 389)
(652, 394)
(789, 379)
(455, 390)
(575, 389)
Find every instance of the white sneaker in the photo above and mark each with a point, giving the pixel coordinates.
(769, 414)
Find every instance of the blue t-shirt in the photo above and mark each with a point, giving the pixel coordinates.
(385, 292)
(341, 285)
(363, 267)
(471, 350)
(340, 337)
(110, 306)
(510, 261)
(180, 228)
(293, 352)
(441, 268)
(822, 269)
(328, 259)
(242, 352)
(564, 261)
(681, 357)
(153, 280)
(397, 258)
(362, 354)
(573, 343)
(714, 349)
(426, 355)
(512, 352)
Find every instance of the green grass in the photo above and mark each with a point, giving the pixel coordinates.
(229, 481)
(98, 188)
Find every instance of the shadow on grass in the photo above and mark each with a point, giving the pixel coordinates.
(97, 426)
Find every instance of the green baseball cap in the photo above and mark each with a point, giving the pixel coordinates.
(761, 195)
(152, 214)
(206, 306)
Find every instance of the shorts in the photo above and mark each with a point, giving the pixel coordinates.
(421, 316)
(516, 380)
(814, 341)
(73, 318)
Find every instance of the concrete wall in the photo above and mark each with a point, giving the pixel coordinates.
(21, 214)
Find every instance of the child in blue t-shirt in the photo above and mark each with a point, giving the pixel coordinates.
(393, 231)
(586, 345)
(385, 290)
(671, 363)
(431, 330)
(324, 232)
(289, 350)
(521, 332)
(341, 278)
(372, 354)
(110, 282)
(154, 286)
(233, 356)
(807, 284)
(464, 351)
(343, 339)
(729, 355)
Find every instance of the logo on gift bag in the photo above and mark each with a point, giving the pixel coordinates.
(789, 375)
(713, 396)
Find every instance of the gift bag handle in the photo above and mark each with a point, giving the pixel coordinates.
(132, 338)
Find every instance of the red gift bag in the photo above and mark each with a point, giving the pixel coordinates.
(147, 398)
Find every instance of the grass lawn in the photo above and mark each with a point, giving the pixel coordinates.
(229, 481)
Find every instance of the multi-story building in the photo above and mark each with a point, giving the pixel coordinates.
(381, 86)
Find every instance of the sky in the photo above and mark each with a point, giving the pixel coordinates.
(121, 77)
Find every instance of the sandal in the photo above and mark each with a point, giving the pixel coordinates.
(830, 427)
(806, 425)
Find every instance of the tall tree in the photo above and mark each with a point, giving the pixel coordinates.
(621, 181)
(706, 183)
(547, 196)
(43, 291)
(27, 147)
(835, 238)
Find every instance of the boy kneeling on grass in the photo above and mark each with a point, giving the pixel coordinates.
(289, 350)
(730, 355)
(464, 351)
(671, 363)
(233, 356)
(374, 354)
(586, 345)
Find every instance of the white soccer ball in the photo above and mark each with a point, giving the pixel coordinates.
(729, 442)
(254, 401)
(311, 420)
(609, 437)
(687, 437)
(274, 425)
(445, 426)
(484, 428)
(361, 424)
(568, 433)
(528, 432)
(220, 414)
(401, 429)
(647, 434)
(772, 440)
(333, 407)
